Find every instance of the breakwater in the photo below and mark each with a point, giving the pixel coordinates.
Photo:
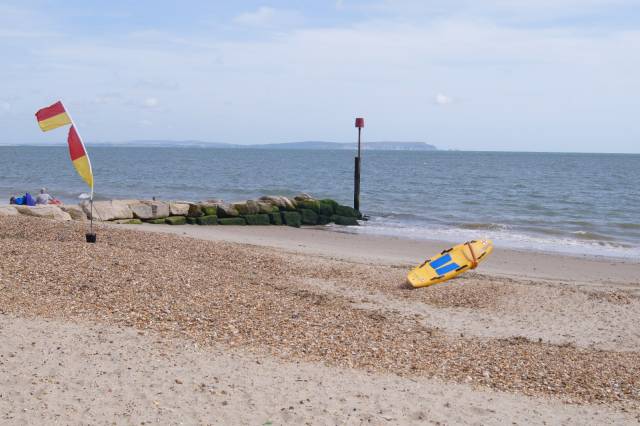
(268, 210)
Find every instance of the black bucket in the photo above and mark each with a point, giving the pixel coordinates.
(91, 237)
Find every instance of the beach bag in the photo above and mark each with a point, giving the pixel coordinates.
(19, 201)
(28, 200)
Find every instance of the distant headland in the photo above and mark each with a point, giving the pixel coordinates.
(315, 145)
(318, 145)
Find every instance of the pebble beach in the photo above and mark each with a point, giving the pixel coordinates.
(207, 323)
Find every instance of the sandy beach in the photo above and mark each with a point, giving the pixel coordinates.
(274, 325)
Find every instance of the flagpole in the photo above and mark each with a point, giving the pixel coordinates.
(90, 171)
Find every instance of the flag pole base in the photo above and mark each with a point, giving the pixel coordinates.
(91, 237)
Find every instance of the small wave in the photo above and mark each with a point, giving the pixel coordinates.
(485, 226)
(628, 225)
(593, 236)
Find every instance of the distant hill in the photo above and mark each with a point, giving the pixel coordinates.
(376, 146)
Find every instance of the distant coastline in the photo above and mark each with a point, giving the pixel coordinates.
(317, 145)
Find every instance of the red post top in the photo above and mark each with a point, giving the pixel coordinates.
(359, 122)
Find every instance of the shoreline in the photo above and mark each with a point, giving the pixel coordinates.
(313, 312)
(586, 269)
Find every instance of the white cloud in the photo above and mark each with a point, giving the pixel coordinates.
(268, 17)
(151, 102)
(441, 99)
(5, 107)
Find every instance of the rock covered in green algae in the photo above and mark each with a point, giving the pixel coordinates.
(346, 211)
(309, 204)
(156, 221)
(207, 220)
(176, 220)
(232, 221)
(344, 220)
(291, 219)
(192, 220)
(257, 219)
(275, 218)
(308, 217)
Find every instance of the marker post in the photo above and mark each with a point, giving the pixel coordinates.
(356, 177)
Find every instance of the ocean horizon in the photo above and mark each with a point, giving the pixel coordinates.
(576, 203)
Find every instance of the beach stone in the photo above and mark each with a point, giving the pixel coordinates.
(328, 207)
(8, 211)
(191, 220)
(264, 207)
(303, 197)
(194, 211)
(308, 217)
(248, 207)
(46, 212)
(150, 209)
(257, 219)
(324, 219)
(275, 218)
(283, 203)
(291, 219)
(108, 210)
(209, 209)
(227, 210)
(207, 220)
(346, 211)
(176, 220)
(232, 221)
(179, 209)
(344, 220)
(75, 212)
(160, 221)
(309, 204)
(128, 221)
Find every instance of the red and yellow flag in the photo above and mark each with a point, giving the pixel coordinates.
(79, 157)
(52, 117)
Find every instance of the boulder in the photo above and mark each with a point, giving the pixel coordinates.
(323, 219)
(192, 220)
(179, 209)
(283, 203)
(108, 210)
(308, 217)
(209, 209)
(346, 211)
(291, 218)
(8, 211)
(257, 219)
(327, 207)
(303, 196)
(176, 220)
(248, 207)
(150, 209)
(344, 220)
(309, 204)
(207, 220)
(227, 210)
(128, 221)
(232, 221)
(160, 221)
(267, 208)
(194, 211)
(47, 212)
(75, 212)
(275, 218)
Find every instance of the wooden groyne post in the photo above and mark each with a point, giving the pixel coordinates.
(356, 177)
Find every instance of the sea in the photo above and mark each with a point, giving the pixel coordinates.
(580, 204)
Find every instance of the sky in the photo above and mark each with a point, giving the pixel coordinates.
(518, 75)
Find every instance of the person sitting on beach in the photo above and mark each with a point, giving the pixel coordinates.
(12, 200)
(43, 197)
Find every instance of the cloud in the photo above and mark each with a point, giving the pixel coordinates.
(5, 107)
(151, 102)
(441, 99)
(339, 4)
(268, 17)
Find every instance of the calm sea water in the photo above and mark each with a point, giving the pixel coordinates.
(578, 203)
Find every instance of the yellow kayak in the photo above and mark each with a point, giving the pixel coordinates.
(450, 263)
